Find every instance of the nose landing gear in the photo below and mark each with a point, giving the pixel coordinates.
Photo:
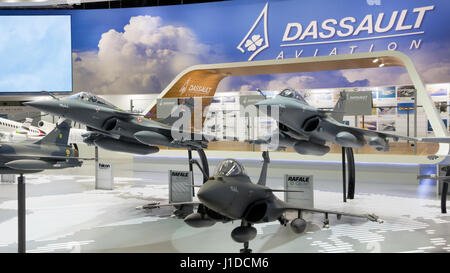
(244, 234)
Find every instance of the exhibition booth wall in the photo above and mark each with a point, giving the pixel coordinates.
(130, 55)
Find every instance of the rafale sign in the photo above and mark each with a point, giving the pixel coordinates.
(332, 31)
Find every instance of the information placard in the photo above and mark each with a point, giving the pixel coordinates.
(180, 186)
(104, 179)
(302, 183)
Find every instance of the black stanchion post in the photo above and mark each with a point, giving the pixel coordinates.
(351, 173)
(21, 214)
(344, 179)
(444, 197)
(191, 169)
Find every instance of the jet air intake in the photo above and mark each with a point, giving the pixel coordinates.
(112, 124)
(311, 124)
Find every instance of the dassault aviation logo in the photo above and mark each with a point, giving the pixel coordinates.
(256, 39)
(185, 86)
(194, 88)
(342, 34)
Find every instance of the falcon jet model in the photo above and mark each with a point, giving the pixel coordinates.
(230, 195)
(13, 131)
(114, 129)
(307, 129)
(50, 152)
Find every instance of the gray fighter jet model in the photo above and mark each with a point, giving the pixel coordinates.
(114, 129)
(50, 152)
(230, 195)
(307, 129)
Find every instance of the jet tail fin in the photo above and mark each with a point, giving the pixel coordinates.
(339, 108)
(193, 84)
(189, 103)
(27, 123)
(59, 135)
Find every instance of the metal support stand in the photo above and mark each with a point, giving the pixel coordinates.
(351, 173)
(444, 197)
(444, 192)
(21, 214)
(344, 179)
(415, 121)
(205, 165)
(407, 126)
(347, 156)
(96, 166)
(191, 168)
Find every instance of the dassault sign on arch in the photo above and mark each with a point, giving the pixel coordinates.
(349, 26)
(342, 34)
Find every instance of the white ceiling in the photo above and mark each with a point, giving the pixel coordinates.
(30, 3)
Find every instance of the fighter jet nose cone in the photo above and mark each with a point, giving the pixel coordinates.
(48, 106)
(208, 194)
(203, 194)
(29, 103)
(36, 104)
(215, 195)
(260, 103)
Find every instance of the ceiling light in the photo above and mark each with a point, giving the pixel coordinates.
(381, 65)
(375, 60)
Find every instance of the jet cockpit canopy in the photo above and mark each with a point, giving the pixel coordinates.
(291, 93)
(229, 167)
(90, 97)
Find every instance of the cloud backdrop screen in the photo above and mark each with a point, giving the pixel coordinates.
(35, 53)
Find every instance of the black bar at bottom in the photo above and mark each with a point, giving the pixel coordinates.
(444, 197)
(21, 210)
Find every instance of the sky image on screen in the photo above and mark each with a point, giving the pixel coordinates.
(35, 53)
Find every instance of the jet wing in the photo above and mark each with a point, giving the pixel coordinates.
(371, 133)
(371, 217)
(48, 157)
(435, 139)
(157, 205)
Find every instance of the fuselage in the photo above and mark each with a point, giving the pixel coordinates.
(102, 117)
(308, 129)
(28, 158)
(237, 198)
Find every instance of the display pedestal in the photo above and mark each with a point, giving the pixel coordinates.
(104, 179)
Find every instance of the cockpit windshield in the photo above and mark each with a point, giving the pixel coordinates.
(291, 93)
(90, 97)
(229, 167)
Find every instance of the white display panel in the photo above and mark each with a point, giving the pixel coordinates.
(35, 53)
